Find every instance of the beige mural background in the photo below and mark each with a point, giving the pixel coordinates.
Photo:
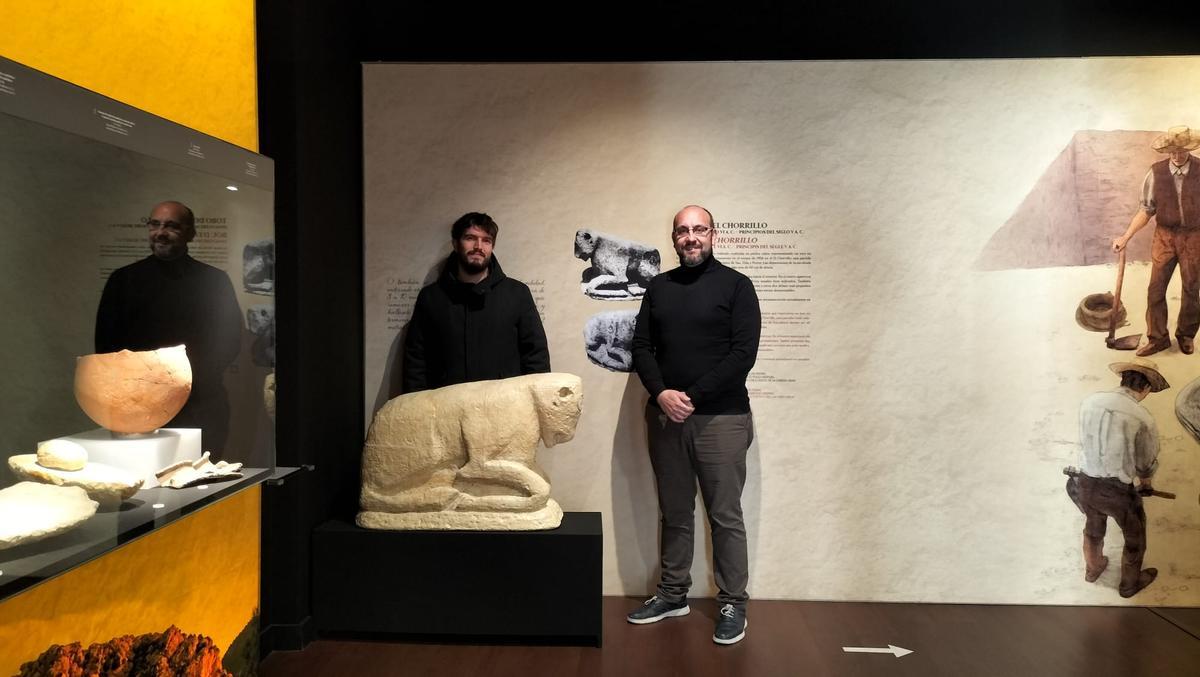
(916, 453)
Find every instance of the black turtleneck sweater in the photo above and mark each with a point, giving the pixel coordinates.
(155, 303)
(697, 332)
(463, 332)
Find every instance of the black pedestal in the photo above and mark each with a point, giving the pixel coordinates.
(535, 586)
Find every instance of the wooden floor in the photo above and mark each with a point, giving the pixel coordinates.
(806, 638)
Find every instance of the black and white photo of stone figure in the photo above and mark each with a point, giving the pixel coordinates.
(258, 267)
(620, 269)
(608, 339)
(260, 320)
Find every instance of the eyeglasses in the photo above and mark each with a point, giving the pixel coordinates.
(698, 231)
(173, 225)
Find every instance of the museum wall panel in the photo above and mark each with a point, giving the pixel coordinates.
(111, 192)
(920, 234)
(190, 61)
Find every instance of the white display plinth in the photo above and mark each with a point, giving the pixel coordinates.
(142, 455)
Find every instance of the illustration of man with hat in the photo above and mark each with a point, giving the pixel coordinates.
(1119, 442)
(1171, 194)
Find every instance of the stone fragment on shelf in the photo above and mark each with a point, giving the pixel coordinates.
(186, 473)
(31, 511)
(132, 392)
(62, 455)
(104, 483)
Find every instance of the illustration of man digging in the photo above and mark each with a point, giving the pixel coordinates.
(1119, 442)
(1171, 194)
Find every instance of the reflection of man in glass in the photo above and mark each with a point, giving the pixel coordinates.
(170, 298)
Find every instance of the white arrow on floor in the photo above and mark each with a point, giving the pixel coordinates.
(897, 651)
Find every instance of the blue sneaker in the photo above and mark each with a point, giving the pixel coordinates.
(731, 625)
(654, 610)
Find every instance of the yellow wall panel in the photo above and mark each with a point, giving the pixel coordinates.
(200, 574)
(190, 61)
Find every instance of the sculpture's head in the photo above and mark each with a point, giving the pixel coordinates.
(585, 244)
(559, 400)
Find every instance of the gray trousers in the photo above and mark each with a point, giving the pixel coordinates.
(711, 449)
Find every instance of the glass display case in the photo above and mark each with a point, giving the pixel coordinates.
(124, 231)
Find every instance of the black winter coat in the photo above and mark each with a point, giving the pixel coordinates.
(464, 332)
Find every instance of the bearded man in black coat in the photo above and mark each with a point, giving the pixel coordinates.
(474, 323)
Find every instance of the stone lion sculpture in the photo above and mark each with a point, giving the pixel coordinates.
(621, 269)
(464, 456)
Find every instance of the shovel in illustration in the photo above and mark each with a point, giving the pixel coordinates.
(1125, 342)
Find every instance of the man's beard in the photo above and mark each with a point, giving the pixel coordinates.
(167, 250)
(473, 267)
(695, 257)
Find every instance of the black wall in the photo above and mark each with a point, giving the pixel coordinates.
(310, 121)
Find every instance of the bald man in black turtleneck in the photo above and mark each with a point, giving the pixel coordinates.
(695, 342)
(169, 298)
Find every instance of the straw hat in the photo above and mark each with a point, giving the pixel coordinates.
(1145, 368)
(1176, 138)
